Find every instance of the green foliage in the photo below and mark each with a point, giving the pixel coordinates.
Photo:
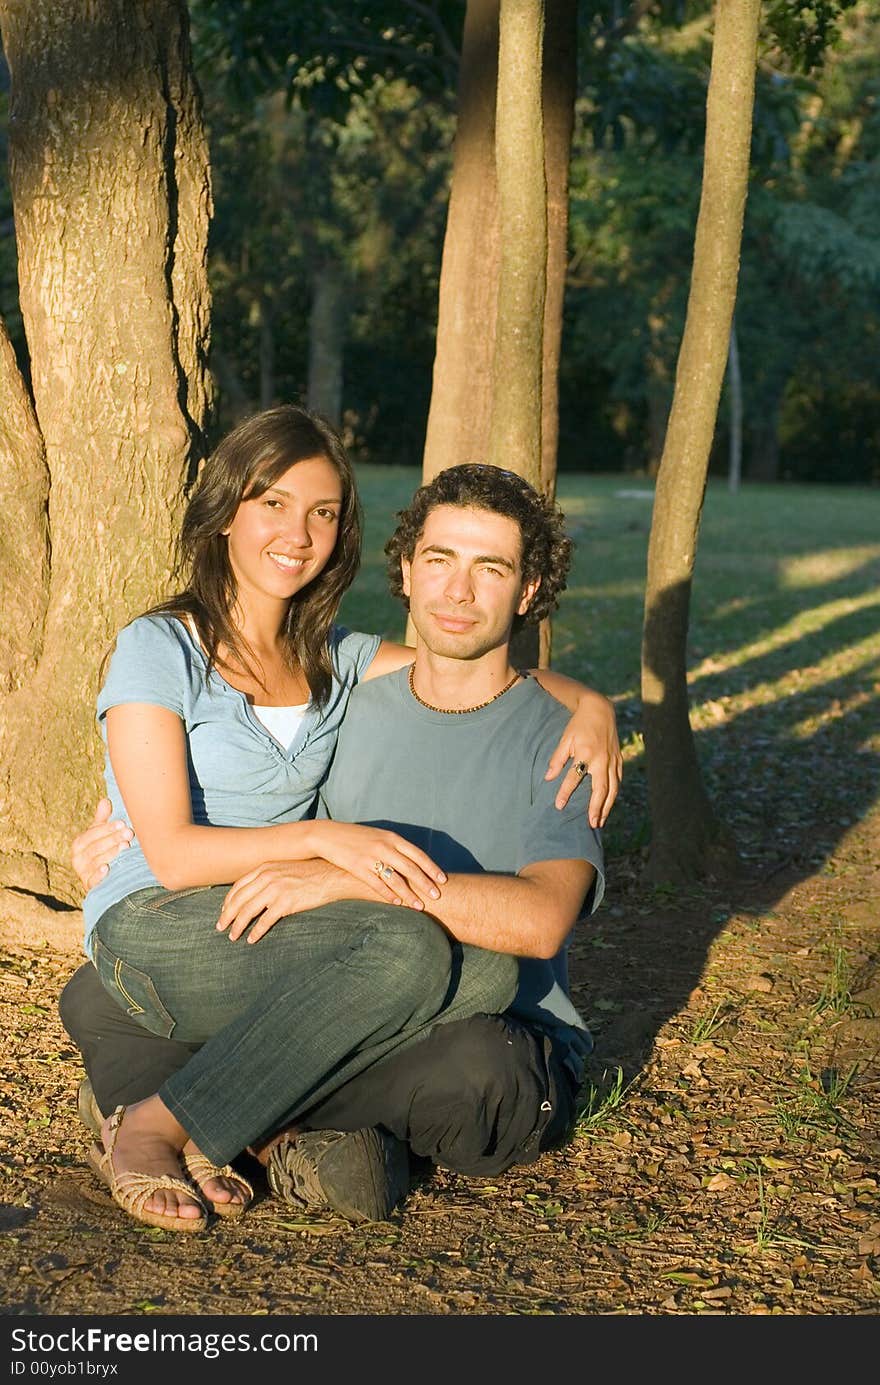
(805, 29)
(361, 190)
(328, 53)
(808, 274)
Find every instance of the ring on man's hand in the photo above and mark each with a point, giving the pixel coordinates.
(581, 768)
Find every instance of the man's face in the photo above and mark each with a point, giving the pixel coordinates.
(464, 582)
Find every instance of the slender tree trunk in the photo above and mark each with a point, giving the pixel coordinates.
(326, 343)
(111, 195)
(267, 354)
(763, 463)
(461, 397)
(559, 90)
(515, 430)
(734, 378)
(687, 839)
(460, 415)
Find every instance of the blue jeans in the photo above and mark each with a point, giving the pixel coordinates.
(285, 1022)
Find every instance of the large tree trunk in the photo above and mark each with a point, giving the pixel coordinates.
(687, 839)
(110, 186)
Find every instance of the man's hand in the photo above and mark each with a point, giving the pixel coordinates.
(279, 888)
(590, 738)
(93, 850)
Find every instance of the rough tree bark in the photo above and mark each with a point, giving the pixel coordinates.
(111, 194)
(687, 838)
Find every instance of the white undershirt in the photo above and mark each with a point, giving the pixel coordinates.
(281, 722)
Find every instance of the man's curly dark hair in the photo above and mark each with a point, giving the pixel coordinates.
(546, 550)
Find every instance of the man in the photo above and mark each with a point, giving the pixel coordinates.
(450, 754)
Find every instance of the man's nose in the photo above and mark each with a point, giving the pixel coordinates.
(459, 586)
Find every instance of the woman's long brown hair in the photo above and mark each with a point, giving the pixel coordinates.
(247, 462)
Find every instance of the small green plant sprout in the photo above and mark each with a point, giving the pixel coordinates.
(707, 1025)
(603, 1101)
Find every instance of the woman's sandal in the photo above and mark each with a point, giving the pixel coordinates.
(200, 1169)
(131, 1190)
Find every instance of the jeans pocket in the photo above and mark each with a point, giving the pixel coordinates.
(158, 901)
(134, 991)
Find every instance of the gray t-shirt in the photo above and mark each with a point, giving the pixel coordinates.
(470, 790)
(239, 775)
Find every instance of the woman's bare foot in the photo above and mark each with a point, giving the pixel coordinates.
(149, 1141)
(221, 1191)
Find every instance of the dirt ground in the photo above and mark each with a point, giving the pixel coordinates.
(726, 1162)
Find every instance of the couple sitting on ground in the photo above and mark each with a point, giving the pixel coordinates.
(387, 973)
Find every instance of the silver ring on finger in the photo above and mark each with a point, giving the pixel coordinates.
(387, 872)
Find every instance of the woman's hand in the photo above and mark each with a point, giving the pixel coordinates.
(590, 739)
(93, 850)
(394, 869)
(279, 888)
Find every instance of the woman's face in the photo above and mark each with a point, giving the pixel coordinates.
(281, 540)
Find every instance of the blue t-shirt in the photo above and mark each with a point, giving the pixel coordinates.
(239, 775)
(469, 789)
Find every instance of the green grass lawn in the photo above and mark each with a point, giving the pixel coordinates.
(784, 648)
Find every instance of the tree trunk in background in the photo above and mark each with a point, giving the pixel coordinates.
(326, 343)
(111, 195)
(763, 458)
(461, 395)
(460, 415)
(559, 91)
(515, 432)
(687, 840)
(267, 353)
(461, 399)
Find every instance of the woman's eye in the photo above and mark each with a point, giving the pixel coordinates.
(326, 514)
(273, 502)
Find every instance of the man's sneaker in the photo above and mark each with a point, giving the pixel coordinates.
(87, 1108)
(362, 1174)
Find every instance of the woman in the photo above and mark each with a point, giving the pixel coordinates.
(220, 712)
